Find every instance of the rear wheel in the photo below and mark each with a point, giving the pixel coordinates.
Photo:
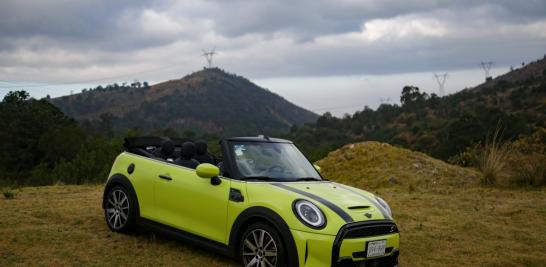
(261, 246)
(119, 210)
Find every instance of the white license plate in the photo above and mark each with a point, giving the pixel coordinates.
(376, 248)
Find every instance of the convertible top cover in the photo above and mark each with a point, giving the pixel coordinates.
(142, 144)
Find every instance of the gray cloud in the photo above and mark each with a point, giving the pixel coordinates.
(49, 40)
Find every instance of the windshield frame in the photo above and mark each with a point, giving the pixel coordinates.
(237, 175)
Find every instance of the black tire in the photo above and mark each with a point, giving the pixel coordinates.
(119, 211)
(261, 243)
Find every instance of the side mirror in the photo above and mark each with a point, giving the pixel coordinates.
(317, 167)
(207, 170)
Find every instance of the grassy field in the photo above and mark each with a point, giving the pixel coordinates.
(63, 225)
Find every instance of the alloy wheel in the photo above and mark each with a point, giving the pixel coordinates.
(259, 249)
(117, 209)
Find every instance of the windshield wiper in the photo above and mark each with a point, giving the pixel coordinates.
(260, 178)
(307, 179)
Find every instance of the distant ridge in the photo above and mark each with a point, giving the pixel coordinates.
(206, 101)
(535, 69)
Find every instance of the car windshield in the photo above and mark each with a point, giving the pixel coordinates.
(272, 161)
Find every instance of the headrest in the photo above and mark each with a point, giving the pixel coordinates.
(167, 147)
(201, 147)
(188, 150)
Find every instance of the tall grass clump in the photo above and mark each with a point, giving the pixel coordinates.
(9, 193)
(493, 158)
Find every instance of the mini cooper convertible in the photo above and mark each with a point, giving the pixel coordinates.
(261, 202)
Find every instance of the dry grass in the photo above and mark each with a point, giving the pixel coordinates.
(63, 225)
(493, 159)
(475, 226)
(446, 218)
(374, 165)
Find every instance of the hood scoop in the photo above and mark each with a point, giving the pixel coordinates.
(359, 207)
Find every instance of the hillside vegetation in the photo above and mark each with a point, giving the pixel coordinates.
(207, 101)
(439, 126)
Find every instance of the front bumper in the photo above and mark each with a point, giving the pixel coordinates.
(348, 247)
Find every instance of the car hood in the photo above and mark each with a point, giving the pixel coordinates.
(349, 203)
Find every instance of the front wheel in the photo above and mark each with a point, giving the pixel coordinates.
(119, 210)
(261, 246)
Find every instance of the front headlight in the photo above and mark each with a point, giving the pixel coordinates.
(384, 204)
(309, 214)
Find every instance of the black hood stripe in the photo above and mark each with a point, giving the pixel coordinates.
(373, 201)
(339, 211)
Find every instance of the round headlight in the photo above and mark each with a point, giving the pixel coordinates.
(309, 214)
(384, 204)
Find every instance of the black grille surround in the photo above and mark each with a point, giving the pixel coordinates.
(372, 228)
(361, 230)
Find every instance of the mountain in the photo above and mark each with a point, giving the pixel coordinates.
(207, 101)
(439, 126)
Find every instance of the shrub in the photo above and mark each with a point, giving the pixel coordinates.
(530, 172)
(525, 159)
(9, 194)
(468, 158)
(528, 160)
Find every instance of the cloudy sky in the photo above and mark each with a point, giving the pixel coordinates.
(325, 55)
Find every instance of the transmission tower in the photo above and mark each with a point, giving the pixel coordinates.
(208, 56)
(441, 80)
(486, 68)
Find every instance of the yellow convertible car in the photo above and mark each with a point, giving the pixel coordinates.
(261, 202)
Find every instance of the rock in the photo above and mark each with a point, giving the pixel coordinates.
(393, 180)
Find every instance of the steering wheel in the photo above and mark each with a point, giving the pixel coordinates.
(276, 168)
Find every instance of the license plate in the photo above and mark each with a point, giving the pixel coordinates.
(376, 248)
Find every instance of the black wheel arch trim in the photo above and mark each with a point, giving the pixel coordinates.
(263, 213)
(120, 179)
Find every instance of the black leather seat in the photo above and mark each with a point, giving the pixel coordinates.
(165, 151)
(201, 152)
(186, 156)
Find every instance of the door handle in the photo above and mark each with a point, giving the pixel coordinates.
(165, 177)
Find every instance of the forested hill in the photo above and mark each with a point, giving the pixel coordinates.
(207, 101)
(439, 126)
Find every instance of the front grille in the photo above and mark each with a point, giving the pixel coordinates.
(371, 229)
(360, 230)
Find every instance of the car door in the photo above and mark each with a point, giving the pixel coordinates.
(190, 203)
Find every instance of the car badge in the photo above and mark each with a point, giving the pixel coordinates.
(368, 215)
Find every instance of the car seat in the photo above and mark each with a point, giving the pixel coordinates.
(186, 156)
(165, 151)
(201, 152)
